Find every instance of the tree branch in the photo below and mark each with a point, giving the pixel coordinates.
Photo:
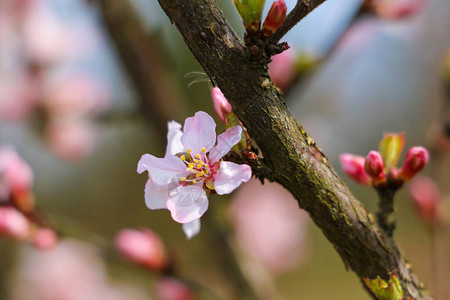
(297, 163)
(301, 10)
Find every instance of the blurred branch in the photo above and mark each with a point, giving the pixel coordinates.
(297, 163)
(301, 10)
(156, 87)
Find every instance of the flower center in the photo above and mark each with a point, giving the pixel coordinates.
(197, 166)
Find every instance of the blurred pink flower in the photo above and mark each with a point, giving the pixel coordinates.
(191, 167)
(282, 69)
(70, 271)
(269, 225)
(71, 139)
(173, 289)
(398, 9)
(143, 247)
(45, 238)
(18, 99)
(13, 224)
(426, 197)
(76, 96)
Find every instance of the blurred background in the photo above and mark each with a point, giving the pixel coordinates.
(87, 88)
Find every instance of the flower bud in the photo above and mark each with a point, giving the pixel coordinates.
(374, 166)
(142, 247)
(13, 224)
(45, 239)
(275, 17)
(282, 69)
(426, 197)
(221, 105)
(353, 166)
(391, 147)
(250, 12)
(173, 289)
(415, 160)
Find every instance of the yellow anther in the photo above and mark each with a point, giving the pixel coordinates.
(207, 172)
(195, 160)
(199, 166)
(182, 157)
(194, 181)
(198, 156)
(198, 175)
(203, 149)
(190, 166)
(188, 150)
(183, 178)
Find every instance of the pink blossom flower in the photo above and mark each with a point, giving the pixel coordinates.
(282, 69)
(45, 239)
(142, 247)
(426, 197)
(398, 9)
(173, 289)
(354, 167)
(191, 168)
(269, 225)
(13, 224)
(221, 105)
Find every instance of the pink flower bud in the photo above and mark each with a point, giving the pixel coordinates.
(13, 224)
(221, 105)
(425, 195)
(353, 166)
(374, 166)
(275, 17)
(142, 247)
(45, 239)
(415, 160)
(173, 289)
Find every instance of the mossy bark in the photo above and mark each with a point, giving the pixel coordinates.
(292, 155)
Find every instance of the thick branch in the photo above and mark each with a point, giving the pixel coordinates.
(297, 163)
(301, 10)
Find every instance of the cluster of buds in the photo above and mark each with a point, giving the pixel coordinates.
(251, 14)
(18, 215)
(378, 168)
(143, 247)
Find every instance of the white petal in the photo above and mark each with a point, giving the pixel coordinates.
(230, 176)
(163, 170)
(199, 132)
(192, 228)
(187, 203)
(143, 163)
(155, 195)
(225, 142)
(174, 134)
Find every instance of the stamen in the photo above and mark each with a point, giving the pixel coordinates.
(190, 166)
(198, 156)
(194, 181)
(183, 157)
(207, 172)
(183, 178)
(189, 151)
(203, 149)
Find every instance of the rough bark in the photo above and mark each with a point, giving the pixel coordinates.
(295, 160)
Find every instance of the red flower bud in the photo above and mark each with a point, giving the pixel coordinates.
(415, 160)
(425, 195)
(353, 166)
(374, 166)
(275, 17)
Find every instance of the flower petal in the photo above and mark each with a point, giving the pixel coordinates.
(174, 134)
(225, 142)
(162, 170)
(187, 203)
(199, 132)
(230, 176)
(192, 228)
(156, 195)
